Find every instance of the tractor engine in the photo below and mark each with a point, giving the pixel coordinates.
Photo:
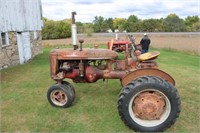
(83, 71)
(87, 65)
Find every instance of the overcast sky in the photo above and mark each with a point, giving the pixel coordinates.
(143, 9)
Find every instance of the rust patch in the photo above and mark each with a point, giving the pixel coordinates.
(149, 106)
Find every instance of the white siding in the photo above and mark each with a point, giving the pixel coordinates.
(20, 15)
(24, 47)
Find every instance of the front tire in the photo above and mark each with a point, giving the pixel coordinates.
(70, 88)
(149, 104)
(59, 95)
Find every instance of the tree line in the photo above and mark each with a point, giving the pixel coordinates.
(172, 23)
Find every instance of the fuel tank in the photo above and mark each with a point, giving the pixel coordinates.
(87, 54)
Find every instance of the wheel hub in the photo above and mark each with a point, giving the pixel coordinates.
(149, 106)
(59, 97)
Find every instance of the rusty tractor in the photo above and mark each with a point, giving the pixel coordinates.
(148, 100)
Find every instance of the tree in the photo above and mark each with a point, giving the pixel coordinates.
(48, 27)
(56, 29)
(119, 23)
(151, 25)
(98, 24)
(196, 27)
(132, 24)
(109, 23)
(172, 23)
(63, 28)
(133, 19)
(192, 23)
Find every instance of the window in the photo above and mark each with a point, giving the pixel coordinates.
(4, 39)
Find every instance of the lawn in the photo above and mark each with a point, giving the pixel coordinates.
(24, 105)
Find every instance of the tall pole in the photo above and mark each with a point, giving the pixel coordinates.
(74, 31)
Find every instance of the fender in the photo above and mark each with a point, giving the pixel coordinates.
(149, 72)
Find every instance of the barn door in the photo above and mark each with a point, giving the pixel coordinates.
(24, 46)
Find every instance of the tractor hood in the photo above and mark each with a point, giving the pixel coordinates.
(90, 54)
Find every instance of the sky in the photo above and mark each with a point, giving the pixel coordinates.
(144, 9)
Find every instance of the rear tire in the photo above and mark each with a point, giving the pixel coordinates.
(149, 104)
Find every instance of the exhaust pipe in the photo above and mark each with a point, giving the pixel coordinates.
(74, 31)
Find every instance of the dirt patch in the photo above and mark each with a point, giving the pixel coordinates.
(181, 42)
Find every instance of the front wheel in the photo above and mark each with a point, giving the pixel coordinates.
(70, 88)
(60, 95)
(149, 104)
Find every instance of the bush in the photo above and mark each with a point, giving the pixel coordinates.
(56, 29)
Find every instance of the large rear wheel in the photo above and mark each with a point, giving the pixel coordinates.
(149, 104)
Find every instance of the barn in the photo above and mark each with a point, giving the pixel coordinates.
(20, 31)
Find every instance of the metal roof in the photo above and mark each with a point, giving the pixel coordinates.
(20, 15)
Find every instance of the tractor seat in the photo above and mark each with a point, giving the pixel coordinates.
(148, 56)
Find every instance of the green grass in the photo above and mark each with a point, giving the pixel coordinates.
(24, 106)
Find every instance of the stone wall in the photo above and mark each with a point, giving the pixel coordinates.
(9, 55)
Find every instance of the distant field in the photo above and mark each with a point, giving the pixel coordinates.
(24, 106)
(182, 42)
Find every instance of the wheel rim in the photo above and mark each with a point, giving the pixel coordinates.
(149, 108)
(58, 97)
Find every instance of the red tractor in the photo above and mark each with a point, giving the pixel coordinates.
(148, 100)
(120, 46)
